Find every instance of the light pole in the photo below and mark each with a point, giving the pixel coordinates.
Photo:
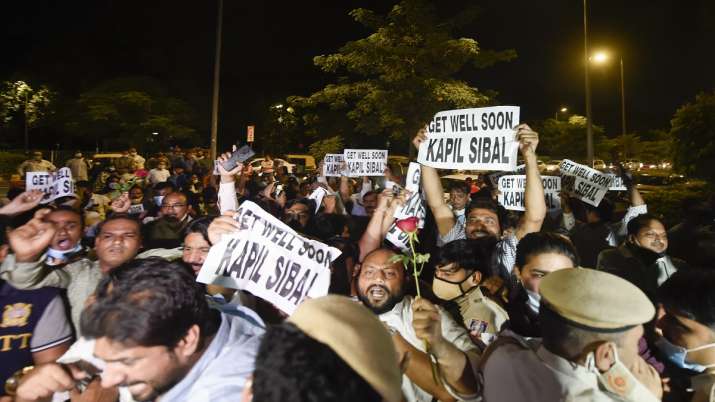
(217, 75)
(601, 58)
(587, 83)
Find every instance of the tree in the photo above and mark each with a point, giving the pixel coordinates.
(125, 112)
(567, 139)
(18, 100)
(693, 132)
(391, 82)
(331, 145)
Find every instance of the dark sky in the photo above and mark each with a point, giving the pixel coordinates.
(668, 49)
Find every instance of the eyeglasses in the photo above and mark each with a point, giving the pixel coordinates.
(173, 206)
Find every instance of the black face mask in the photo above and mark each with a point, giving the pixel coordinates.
(648, 257)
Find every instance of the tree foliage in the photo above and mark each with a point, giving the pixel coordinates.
(19, 100)
(330, 145)
(567, 139)
(392, 81)
(125, 112)
(693, 132)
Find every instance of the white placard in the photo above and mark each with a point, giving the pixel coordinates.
(318, 195)
(617, 184)
(587, 184)
(414, 174)
(494, 177)
(53, 184)
(414, 206)
(512, 189)
(135, 209)
(365, 162)
(333, 165)
(270, 260)
(472, 139)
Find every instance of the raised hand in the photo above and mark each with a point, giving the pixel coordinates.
(528, 140)
(420, 137)
(222, 225)
(30, 240)
(22, 203)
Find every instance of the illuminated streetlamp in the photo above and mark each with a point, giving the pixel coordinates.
(562, 110)
(602, 57)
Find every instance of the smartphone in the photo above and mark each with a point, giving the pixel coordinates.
(277, 191)
(240, 155)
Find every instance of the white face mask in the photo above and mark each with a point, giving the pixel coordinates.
(619, 380)
(158, 199)
(533, 300)
(62, 255)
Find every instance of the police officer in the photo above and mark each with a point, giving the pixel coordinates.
(591, 322)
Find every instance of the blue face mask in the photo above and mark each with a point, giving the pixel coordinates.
(676, 354)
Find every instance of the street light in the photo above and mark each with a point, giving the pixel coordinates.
(562, 110)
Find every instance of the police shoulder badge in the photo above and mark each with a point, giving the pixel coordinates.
(16, 315)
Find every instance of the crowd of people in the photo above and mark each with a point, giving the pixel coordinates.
(100, 301)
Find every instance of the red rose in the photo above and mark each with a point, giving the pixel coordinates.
(408, 225)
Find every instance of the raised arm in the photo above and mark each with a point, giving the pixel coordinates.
(373, 235)
(534, 202)
(443, 215)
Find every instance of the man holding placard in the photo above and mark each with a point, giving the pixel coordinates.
(484, 217)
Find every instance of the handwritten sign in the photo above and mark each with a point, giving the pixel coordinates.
(512, 189)
(365, 162)
(270, 260)
(54, 185)
(333, 165)
(472, 139)
(587, 184)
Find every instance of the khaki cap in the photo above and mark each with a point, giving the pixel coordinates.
(596, 300)
(356, 335)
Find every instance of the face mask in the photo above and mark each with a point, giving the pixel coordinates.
(158, 199)
(676, 354)
(619, 380)
(62, 255)
(114, 186)
(458, 212)
(448, 290)
(533, 300)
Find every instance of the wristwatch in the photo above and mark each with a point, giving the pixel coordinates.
(13, 381)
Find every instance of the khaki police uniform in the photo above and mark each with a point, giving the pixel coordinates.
(517, 369)
(482, 316)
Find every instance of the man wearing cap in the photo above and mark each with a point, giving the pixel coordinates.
(330, 349)
(78, 166)
(35, 164)
(591, 322)
(416, 323)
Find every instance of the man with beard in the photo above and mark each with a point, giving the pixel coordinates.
(118, 241)
(484, 217)
(155, 331)
(642, 259)
(65, 246)
(416, 325)
(165, 232)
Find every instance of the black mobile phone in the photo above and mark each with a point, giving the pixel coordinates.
(240, 155)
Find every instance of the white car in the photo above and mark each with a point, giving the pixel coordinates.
(599, 164)
(256, 164)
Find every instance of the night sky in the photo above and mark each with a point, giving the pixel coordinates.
(668, 49)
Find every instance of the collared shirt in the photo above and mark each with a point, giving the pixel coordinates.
(526, 371)
(400, 319)
(221, 372)
(504, 256)
(482, 316)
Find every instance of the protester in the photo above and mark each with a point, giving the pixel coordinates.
(155, 330)
(688, 327)
(415, 323)
(484, 217)
(35, 164)
(537, 255)
(118, 241)
(642, 259)
(159, 174)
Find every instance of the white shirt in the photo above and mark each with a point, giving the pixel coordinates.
(158, 176)
(400, 319)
